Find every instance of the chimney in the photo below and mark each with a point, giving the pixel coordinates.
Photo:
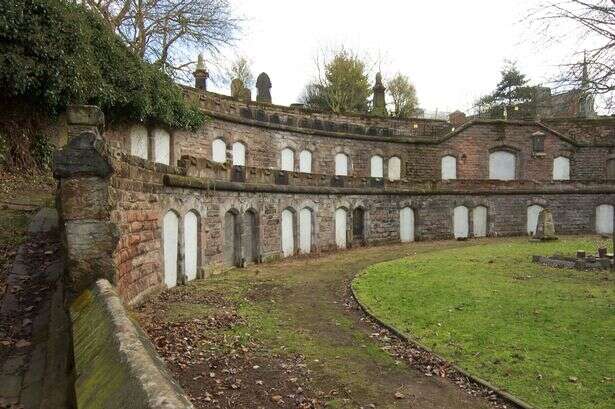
(457, 118)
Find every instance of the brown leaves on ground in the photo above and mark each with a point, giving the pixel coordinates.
(215, 366)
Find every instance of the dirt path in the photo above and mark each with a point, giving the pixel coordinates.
(286, 335)
(34, 326)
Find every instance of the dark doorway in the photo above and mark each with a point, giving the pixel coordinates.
(250, 237)
(231, 240)
(358, 224)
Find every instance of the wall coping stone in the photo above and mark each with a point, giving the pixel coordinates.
(116, 365)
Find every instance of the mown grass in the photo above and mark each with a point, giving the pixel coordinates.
(546, 335)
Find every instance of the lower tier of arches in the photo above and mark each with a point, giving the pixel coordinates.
(196, 233)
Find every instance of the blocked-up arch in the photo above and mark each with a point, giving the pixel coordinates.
(139, 141)
(479, 221)
(218, 150)
(305, 161)
(561, 168)
(191, 244)
(162, 146)
(287, 160)
(288, 232)
(376, 166)
(502, 165)
(604, 219)
(406, 224)
(341, 164)
(251, 243)
(170, 240)
(533, 212)
(461, 222)
(449, 167)
(232, 239)
(394, 168)
(341, 216)
(239, 154)
(306, 220)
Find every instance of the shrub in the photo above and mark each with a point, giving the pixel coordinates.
(54, 53)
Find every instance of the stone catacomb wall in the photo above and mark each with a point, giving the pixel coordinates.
(219, 215)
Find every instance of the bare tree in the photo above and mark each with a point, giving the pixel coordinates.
(240, 69)
(593, 22)
(169, 32)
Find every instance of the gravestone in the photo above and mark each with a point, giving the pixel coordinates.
(263, 88)
(237, 88)
(545, 228)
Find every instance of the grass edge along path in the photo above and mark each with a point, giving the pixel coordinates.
(441, 299)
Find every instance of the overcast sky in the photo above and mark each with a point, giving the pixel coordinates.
(451, 50)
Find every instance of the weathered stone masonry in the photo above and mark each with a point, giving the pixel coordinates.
(114, 204)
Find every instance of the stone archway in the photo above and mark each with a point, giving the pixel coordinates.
(406, 225)
(305, 230)
(341, 216)
(288, 233)
(191, 245)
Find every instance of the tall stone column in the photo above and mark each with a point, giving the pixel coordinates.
(379, 108)
(83, 169)
(200, 75)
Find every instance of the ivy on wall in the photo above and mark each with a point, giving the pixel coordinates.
(55, 52)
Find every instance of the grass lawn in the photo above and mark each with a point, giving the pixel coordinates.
(546, 335)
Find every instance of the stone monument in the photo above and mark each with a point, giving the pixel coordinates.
(263, 88)
(545, 228)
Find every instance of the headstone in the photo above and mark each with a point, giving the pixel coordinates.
(545, 228)
(580, 253)
(263, 88)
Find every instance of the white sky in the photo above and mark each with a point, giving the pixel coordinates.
(452, 50)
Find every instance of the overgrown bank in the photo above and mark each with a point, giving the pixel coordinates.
(54, 53)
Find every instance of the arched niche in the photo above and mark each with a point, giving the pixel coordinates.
(162, 146)
(306, 218)
(449, 167)
(288, 233)
(239, 154)
(139, 141)
(479, 221)
(341, 216)
(532, 218)
(461, 223)
(502, 165)
(394, 168)
(170, 240)
(341, 164)
(561, 168)
(232, 239)
(250, 236)
(604, 219)
(191, 245)
(287, 160)
(305, 161)
(218, 151)
(406, 225)
(376, 166)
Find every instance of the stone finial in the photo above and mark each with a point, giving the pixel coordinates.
(379, 108)
(545, 228)
(237, 88)
(263, 88)
(200, 74)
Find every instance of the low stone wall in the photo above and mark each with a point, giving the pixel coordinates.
(115, 364)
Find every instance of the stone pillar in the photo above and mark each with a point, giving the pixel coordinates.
(82, 169)
(200, 75)
(457, 118)
(263, 88)
(379, 108)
